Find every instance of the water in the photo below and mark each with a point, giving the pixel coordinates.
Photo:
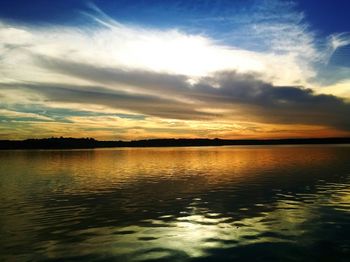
(270, 203)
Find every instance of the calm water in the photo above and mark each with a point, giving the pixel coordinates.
(176, 204)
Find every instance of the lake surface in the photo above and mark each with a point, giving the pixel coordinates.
(270, 203)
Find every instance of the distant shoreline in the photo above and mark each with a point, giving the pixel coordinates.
(81, 143)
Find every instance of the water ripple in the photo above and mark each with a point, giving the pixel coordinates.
(176, 204)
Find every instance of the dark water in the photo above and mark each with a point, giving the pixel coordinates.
(176, 204)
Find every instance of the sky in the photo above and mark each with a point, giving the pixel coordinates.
(183, 69)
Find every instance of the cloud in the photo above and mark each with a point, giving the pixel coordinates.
(336, 41)
(225, 95)
(171, 79)
(276, 104)
(95, 95)
(167, 51)
(18, 116)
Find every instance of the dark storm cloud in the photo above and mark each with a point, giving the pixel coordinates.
(253, 98)
(276, 104)
(242, 97)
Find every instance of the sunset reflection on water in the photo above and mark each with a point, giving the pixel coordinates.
(176, 203)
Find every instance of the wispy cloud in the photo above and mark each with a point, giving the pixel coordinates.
(18, 116)
(170, 51)
(173, 80)
(336, 41)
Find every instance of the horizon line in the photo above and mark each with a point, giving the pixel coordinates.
(91, 143)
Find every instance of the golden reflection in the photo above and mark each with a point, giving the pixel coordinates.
(153, 203)
(92, 170)
(199, 231)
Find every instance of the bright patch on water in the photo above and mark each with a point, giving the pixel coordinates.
(176, 204)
